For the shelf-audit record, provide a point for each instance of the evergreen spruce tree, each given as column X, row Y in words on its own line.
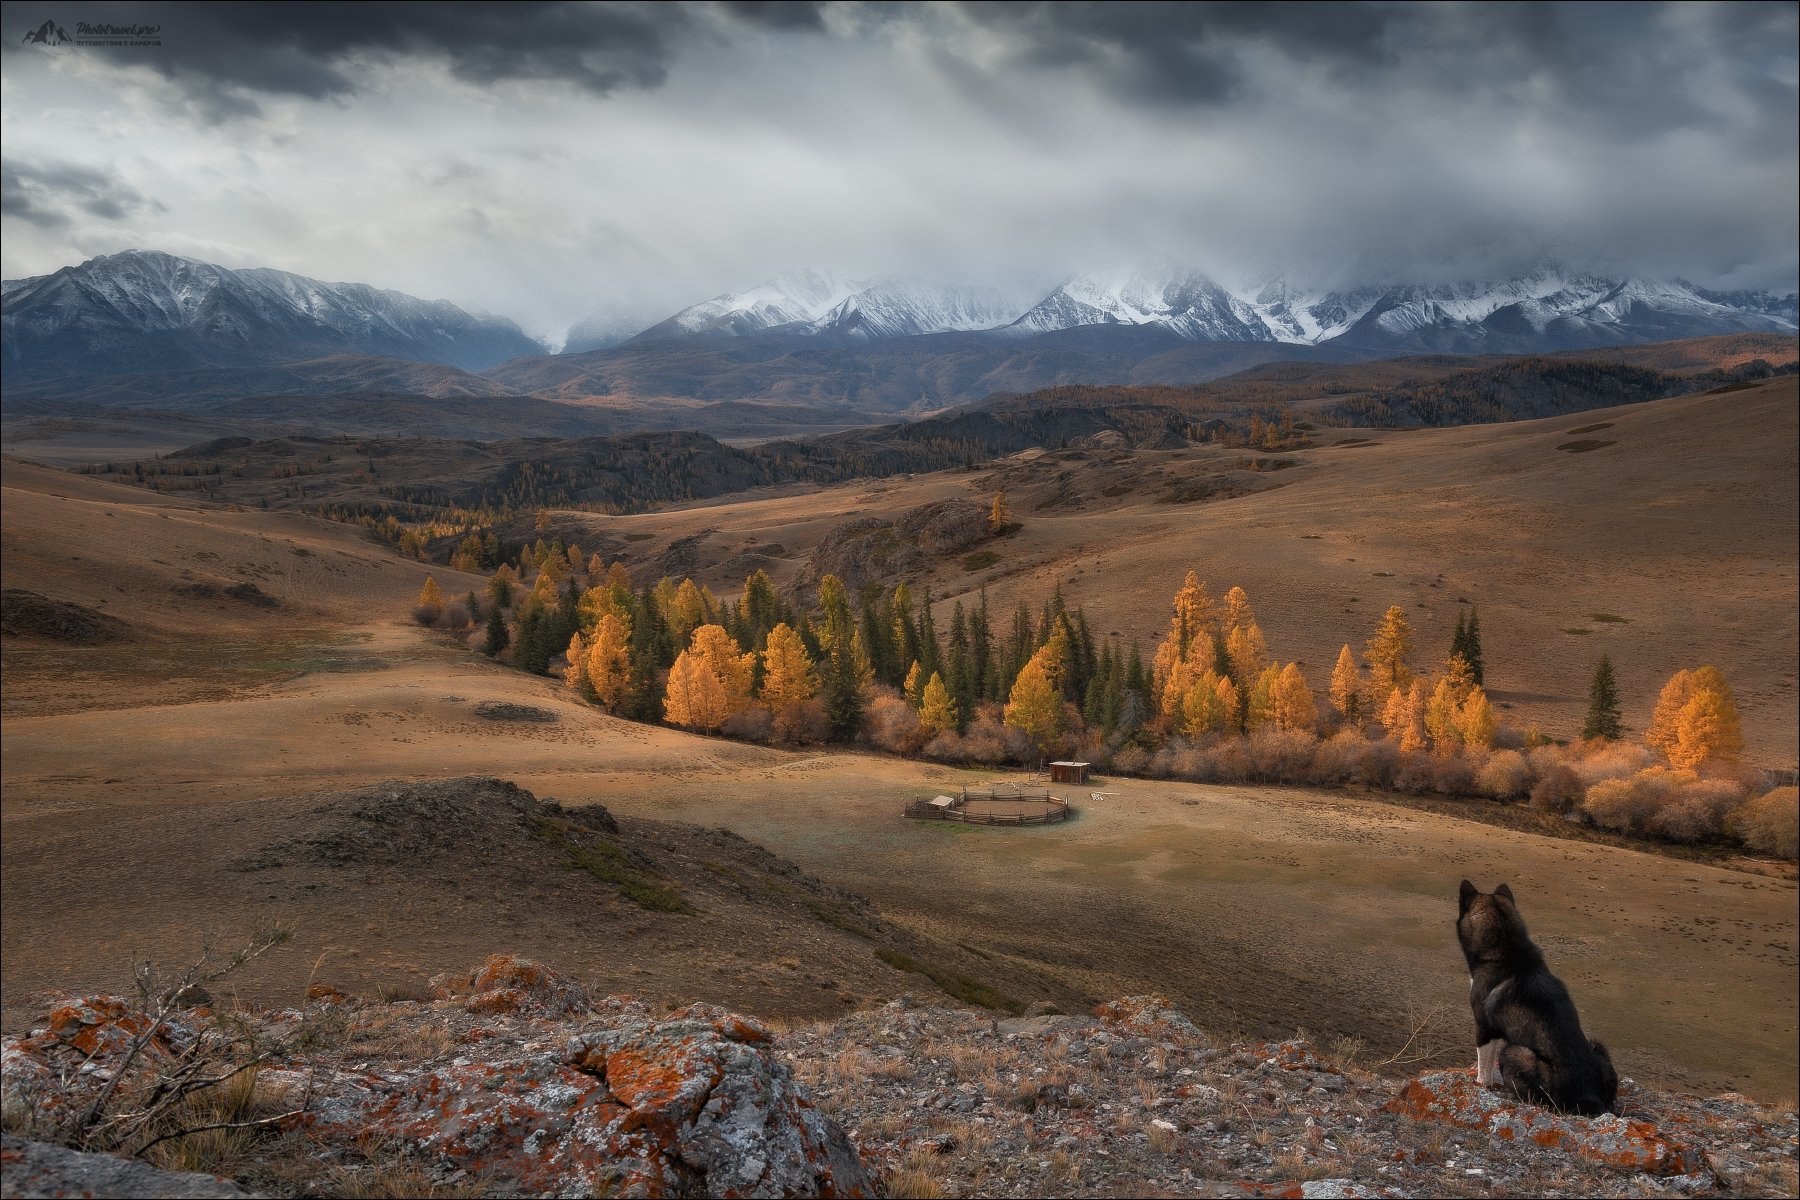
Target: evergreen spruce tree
column 498, row 635
column 1472, row 648
column 1603, row 704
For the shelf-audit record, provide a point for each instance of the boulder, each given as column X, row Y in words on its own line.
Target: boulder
column 30, row 1170
column 1456, row 1098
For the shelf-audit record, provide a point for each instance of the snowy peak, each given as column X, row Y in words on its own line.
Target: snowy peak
column 910, row 307
column 142, row 309
column 1545, row 308
column 792, row 298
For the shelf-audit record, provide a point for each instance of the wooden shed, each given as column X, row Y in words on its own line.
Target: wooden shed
column 1069, row 772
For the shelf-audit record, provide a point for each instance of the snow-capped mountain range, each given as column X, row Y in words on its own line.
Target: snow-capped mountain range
column 1547, row 308
column 142, row 309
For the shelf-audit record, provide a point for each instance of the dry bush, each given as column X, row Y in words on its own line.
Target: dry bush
column 752, row 723
column 1557, row 791
column 1506, row 775
column 1415, row 772
column 893, row 725
column 456, row 616
column 427, row 614
column 1180, row 759
column 1132, row 760
column 1452, row 776
column 1769, row 823
column 1627, row 805
column 1227, row 761
column 1280, row 755
column 1696, row 812
column 1598, row 760
column 985, row 737
column 1338, row 759
column 1380, row 766
column 803, row 722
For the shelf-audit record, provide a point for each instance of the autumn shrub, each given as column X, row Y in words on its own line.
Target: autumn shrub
column 1506, row 775
column 1338, row 759
column 803, row 722
column 1631, row 805
column 1180, row 758
column 1281, row 755
column 427, row 614
column 751, row 723
column 1559, row 790
column 1380, row 763
column 1696, row 812
column 1132, row 760
column 1769, row 823
column 1597, row 760
column 1452, row 776
column 1415, row 772
column 456, row 616
column 894, row 726
column 1227, row 761
column 985, row 739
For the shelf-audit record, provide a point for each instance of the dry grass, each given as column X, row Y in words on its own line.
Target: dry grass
column 914, row 1177
column 1161, row 1140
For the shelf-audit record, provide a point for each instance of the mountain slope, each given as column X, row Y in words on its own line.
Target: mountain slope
column 142, row 309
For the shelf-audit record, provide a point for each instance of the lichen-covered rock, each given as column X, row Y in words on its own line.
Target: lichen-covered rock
column 625, row 1105
column 1456, row 1098
column 504, row 984
column 1151, row 1016
column 30, row 1170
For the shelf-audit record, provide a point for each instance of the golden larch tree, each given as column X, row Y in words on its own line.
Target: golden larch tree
column 575, row 672
column 1247, row 652
column 1663, row 730
column 914, row 686
column 1413, row 735
column 694, row 697
column 1231, row 705
column 1237, row 608
column 1034, row 707
column 1260, row 708
column 937, row 711
column 1708, row 728
column 609, row 662
column 1346, row 687
column 431, row 600
column 1201, row 709
column 733, row 668
column 1475, row 722
column 1294, row 706
column 1387, row 650
column 1440, row 717
column 788, row 676
column 999, row 515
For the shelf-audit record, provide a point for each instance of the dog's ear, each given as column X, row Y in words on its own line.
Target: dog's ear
column 1465, row 894
column 1505, row 890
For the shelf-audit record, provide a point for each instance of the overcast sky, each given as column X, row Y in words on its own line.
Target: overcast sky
column 545, row 160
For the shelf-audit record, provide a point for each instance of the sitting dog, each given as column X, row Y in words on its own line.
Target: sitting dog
column 1528, row 1038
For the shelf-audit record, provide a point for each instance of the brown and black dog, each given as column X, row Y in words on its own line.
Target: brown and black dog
column 1528, row 1037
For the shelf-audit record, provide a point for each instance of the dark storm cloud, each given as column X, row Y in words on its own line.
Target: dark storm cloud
column 223, row 56
column 778, row 14
column 1184, row 52
column 55, row 195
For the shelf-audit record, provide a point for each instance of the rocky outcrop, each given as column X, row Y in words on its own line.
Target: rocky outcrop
column 873, row 549
column 26, row 614
column 522, row 1088
column 30, row 1170
column 510, row 1081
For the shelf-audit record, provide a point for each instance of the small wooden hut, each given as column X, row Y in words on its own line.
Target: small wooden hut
column 1069, row 772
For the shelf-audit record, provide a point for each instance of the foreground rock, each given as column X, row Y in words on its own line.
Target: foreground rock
column 509, row 1080
column 1137, row 1101
column 29, row 1170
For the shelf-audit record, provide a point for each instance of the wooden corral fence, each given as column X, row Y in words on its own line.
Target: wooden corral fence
column 994, row 804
